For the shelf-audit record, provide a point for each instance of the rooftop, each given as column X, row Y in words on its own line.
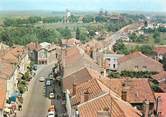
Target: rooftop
column 138, row 88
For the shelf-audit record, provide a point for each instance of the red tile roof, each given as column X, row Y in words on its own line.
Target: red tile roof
column 2, row 93
column 83, row 75
column 160, row 76
column 76, row 59
column 162, row 103
column 116, row 107
column 160, row 50
column 143, row 62
column 6, row 70
column 93, row 86
column 33, row 46
column 138, row 89
column 71, row 42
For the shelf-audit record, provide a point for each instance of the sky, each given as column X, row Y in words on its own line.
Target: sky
column 84, row 5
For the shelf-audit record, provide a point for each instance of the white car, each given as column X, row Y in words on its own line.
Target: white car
column 48, row 82
column 51, row 114
column 51, row 96
column 41, row 79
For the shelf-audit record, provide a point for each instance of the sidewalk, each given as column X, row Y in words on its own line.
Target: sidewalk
column 27, row 94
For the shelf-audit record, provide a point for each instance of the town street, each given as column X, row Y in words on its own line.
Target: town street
column 35, row 103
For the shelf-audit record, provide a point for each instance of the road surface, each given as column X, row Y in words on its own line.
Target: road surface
column 111, row 40
column 35, row 103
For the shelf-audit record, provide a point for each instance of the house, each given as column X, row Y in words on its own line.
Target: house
column 74, row 59
column 161, row 79
column 70, row 42
column 135, row 91
column 94, row 99
column 161, row 104
column 32, row 48
column 93, row 86
column 14, row 62
column 81, row 75
column 43, row 53
column 112, row 61
column 2, row 95
column 160, row 52
column 54, row 53
column 137, row 61
column 106, row 105
column 42, row 56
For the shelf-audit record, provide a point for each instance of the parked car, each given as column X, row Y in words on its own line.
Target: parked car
column 51, row 114
column 48, row 82
column 51, row 96
column 42, row 79
column 51, row 108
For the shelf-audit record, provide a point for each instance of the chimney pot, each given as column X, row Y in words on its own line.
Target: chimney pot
column 146, row 107
column 85, row 96
column 74, row 88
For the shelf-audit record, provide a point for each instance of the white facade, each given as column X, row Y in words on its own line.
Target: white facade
column 112, row 60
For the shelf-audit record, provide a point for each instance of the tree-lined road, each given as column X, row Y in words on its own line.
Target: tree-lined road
column 35, row 103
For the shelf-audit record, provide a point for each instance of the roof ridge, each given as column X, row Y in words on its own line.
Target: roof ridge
column 102, row 86
column 106, row 93
column 75, row 71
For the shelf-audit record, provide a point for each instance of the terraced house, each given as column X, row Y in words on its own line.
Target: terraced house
column 13, row 64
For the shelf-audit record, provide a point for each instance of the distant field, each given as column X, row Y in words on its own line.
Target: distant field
column 62, row 25
column 41, row 13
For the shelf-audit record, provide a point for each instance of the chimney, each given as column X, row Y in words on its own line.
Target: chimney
column 74, row 88
column 158, row 109
column 104, row 113
column 146, row 108
column 85, row 96
column 105, row 73
column 124, row 92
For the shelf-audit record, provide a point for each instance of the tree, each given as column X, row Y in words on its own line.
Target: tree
column 156, row 37
column 163, row 61
column 66, row 32
column 78, row 33
column 120, row 48
column 146, row 49
column 145, row 24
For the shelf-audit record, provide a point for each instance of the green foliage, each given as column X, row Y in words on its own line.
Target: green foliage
column 113, row 74
column 66, row 32
column 22, row 86
column 145, row 23
column 163, row 61
column 101, row 19
column 155, row 86
column 132, row 74
column 26, row 76
column 24, row 35
column 146, row 49
column 88, row 19
column 120, row 48
column 21, row 22
column 52, row 19
column 156, row 37
column 134, row 38
column 137, row 74
column 77, row 33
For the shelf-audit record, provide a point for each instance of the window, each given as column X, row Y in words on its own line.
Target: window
column 114, row 66
column 136, row 66
column 144, row 67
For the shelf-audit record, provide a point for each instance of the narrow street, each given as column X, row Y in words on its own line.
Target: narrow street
column 35, row 103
